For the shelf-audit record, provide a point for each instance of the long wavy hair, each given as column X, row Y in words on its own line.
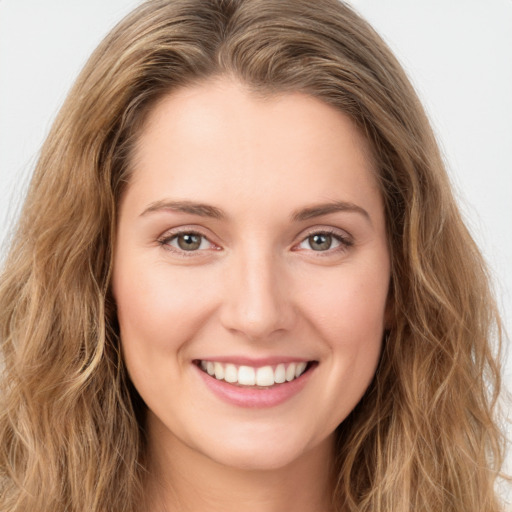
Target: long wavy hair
column 423, row 438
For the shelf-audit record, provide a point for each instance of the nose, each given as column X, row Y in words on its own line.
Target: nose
column 257, row 300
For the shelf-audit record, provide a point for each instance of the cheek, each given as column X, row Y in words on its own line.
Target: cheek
column 348, row 314
column 159, row 312
column 158, row 309
column 349, row 307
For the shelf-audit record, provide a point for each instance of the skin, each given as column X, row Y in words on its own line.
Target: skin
column 257, row 286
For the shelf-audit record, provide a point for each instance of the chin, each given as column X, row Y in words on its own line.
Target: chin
column 263, row 453
column 256, row 460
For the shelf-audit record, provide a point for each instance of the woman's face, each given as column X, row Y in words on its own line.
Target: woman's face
column 251, row 273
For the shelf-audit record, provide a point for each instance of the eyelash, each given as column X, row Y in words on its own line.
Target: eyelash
column 344, row 241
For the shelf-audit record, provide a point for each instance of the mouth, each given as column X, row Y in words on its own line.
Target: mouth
column 262, row 377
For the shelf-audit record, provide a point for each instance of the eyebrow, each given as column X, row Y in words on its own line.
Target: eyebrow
column 200, row 209
column 318, row 210
column 206, row 210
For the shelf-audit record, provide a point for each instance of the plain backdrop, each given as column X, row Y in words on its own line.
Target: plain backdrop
column 458, row 54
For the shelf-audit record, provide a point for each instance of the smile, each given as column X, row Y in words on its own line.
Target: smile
column 264, row 376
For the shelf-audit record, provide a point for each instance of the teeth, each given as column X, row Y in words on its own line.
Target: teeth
column 219, row 371
column 290, row 372
column 298, row 371
column 231, row 373
column 246, row 376
column 264, row 376
column 280, row 375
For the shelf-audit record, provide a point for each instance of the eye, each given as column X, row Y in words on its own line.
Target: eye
column 186, row 241
column 324, row 241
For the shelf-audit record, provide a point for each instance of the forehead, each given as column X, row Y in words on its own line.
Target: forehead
column 219, row 141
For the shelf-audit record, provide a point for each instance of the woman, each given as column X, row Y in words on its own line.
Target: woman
column 240, row 279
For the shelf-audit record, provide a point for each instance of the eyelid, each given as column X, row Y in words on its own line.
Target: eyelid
column 341, row 233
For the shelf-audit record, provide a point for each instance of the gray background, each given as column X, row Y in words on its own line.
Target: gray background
column 458, row 54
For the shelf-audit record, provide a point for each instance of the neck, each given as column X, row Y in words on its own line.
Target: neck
column 183, row 480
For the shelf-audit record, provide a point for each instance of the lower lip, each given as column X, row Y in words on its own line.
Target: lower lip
column 255, row 397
